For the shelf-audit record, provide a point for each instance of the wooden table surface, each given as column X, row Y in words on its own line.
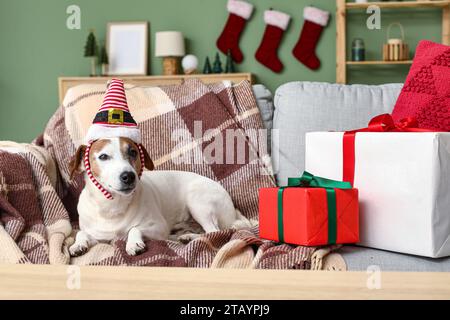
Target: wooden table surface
column 71, row 282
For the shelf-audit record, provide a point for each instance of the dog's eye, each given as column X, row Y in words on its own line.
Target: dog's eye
column 132, row 153
column 103, row 157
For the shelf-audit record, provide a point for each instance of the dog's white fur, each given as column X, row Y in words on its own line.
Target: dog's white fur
column 159, row 201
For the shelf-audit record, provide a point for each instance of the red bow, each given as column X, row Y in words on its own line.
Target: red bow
column 385, row 123
column 381, row 123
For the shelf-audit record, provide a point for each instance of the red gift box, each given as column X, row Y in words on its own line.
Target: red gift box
column 309, row 216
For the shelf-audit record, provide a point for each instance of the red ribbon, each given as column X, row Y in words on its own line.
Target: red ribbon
column 381, row 123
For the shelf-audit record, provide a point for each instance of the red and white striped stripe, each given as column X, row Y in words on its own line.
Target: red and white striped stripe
column 87, row 165
column 91, row 176
column 115, row 96
column 141, row 156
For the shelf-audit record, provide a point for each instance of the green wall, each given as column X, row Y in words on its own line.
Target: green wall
column 36, row 47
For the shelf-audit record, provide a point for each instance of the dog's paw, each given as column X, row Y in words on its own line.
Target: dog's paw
column 188, row 237
column 78, row 249
column 135, row 248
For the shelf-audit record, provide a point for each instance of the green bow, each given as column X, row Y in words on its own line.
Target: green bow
column 307, row 180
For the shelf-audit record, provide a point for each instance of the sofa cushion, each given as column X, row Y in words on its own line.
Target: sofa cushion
column 302, row 107
column 426, row 94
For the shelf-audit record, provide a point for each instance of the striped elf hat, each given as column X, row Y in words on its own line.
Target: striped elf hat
column 113, row 120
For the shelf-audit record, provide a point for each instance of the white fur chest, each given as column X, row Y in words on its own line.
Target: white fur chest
column 104, row 224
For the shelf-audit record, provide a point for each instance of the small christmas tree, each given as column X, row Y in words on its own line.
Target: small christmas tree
column 207, row 66
column 229, row 66
column 104, row 61
column 90, row 51
column 217, row 66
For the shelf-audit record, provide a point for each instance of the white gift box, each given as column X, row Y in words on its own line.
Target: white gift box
column 404, row 186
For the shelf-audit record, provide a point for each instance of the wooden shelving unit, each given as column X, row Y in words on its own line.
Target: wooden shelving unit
column 341, row 29
column 399, row 4
column 378, row 62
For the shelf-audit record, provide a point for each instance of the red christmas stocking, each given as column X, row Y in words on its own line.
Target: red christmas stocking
column 276, row 23
column 305, row 49
column 240, row 12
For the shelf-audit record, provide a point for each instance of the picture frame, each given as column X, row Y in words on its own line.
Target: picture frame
column 127, row 47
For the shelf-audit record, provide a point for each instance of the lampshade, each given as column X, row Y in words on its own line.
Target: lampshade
column 169, row 44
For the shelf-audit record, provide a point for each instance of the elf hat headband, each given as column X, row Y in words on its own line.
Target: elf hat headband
column 113, row 120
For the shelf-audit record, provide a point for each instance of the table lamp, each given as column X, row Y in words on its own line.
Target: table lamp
column 170, row 46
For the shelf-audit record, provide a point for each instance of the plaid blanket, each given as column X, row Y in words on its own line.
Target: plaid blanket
column 34, row 222
column 180, row 128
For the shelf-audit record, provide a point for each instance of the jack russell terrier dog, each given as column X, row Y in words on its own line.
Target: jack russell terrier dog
column 145, row 208
column 119, row 199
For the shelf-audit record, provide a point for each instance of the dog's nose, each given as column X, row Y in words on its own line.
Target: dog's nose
column 127, row 177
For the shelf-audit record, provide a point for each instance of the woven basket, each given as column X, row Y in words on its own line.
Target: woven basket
column 395, row 49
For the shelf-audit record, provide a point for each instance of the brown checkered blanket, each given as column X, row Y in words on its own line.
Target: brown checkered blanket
column 212, row 130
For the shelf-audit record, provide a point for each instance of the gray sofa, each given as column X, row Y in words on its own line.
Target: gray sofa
column 300, row 107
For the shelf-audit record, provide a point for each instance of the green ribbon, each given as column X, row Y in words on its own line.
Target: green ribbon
column 307, row 180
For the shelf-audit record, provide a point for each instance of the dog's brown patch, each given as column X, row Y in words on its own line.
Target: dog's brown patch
column 96, row 148
column 75, row 162
column 126, row 145
column 147, row 160
column 130, row 152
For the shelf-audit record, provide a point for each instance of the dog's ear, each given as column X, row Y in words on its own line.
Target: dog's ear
column 75, row 162
column 148, row 163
